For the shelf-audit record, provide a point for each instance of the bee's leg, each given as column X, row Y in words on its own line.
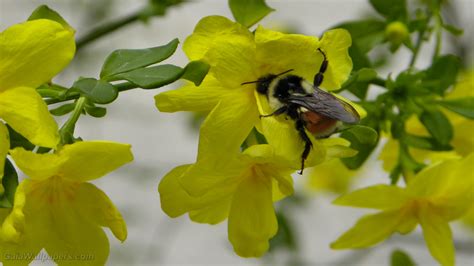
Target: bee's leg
column 300, row 127
column 279, row 111
column 318, row 78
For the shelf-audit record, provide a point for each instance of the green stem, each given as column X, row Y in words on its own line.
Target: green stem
column 418, row 44
column 378, row 81
column 67, row 130
column 107, row 28
column 439, row 36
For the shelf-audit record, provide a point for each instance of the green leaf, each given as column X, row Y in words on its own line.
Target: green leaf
column 442, row 73
column 96, row 111
column 462, row 106
column 121, row 61
column 437, row 125
column 365, row 34
column 97, row 91
column 400, row 258
column 453, row 30
column 358, row 83
column 196, row 71
column 10, row 183
column 249, row 12
column 63, row 109
column 44, row 12
column 391, row 9
column 152, row 77
column 17, row 140
column 364, row 140
column 425, row 143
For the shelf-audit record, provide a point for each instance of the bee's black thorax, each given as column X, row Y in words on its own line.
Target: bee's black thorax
column 287, row 86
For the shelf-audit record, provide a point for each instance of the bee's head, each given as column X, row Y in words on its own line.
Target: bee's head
column 264, row 82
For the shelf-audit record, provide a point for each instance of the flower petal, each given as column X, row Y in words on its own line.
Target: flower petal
column 233, row 62
column 94, row 205
column 438, row 236
column 25, row 111
column 369, row 230
column 100, row 157
column 55, row 224
column 191, row 98
column 4, row 147
column 278, row 52
column 213, row 213
column 252, row 220
column 335, row 43
column 35, row 165
column 221, row 135
column 380, row 197
column 207, row 31
column 13, row 224
column 212, row 208
column 34, row 52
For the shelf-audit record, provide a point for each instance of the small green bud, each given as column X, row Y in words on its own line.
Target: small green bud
column 396, row 32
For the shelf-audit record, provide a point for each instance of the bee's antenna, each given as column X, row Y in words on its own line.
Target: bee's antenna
column 284, row 72
column 250, row 82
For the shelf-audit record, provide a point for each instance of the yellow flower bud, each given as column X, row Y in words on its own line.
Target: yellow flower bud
column 396, row 32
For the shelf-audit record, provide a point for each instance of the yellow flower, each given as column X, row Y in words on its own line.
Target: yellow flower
column 242, row 191
column 236, row 56
column 58, row 210
column 32, row 53
column 435, row 196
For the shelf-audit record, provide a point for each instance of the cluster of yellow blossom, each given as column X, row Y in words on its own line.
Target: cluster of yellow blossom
column 226, row 182
column 55, row 208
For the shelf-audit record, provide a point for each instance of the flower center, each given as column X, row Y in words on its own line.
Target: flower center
column 54, row 190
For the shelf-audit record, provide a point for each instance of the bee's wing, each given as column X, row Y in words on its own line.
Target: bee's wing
column 326, row 104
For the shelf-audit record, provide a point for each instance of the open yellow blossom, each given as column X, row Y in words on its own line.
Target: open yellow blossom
column 56, row 209
column 236, row 56
column 242, row 191
column 434, row 197
column 32, row 53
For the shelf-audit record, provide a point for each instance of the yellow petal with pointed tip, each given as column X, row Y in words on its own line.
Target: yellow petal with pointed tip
column 25, row 111
column 380, row 197
column 213, row 213
column 369, row 230
column 335, row 43
column 278, row 52
column 252, row 220
column 331, row 175
column 33, row 53
column 92, row 204
column 191, row 98
column 100, row 157
column 438, row 236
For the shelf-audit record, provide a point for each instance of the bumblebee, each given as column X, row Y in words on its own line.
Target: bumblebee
column 313, row 109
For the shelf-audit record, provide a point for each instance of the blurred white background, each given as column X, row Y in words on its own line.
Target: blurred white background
column 162, row 141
